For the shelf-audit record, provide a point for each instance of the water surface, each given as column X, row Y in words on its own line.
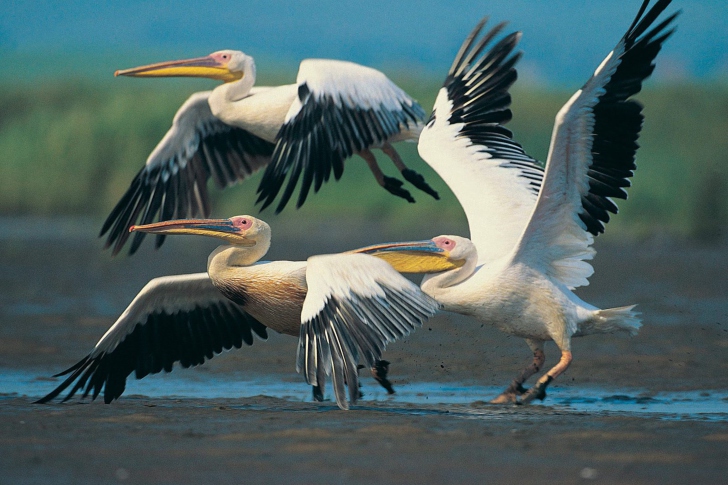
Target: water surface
column 701, row 405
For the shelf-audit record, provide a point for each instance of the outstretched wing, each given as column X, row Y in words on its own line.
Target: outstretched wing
column 355, row 305
column 465, row 142
column 173, row 183
column 173, row 319
column 592, row 155
column 342, row 108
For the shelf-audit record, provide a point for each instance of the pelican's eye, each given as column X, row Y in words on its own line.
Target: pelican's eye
column 222, row 56
column 242, row 222
column 444, row 243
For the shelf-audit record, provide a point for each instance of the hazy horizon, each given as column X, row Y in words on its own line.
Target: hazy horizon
column 414, row 36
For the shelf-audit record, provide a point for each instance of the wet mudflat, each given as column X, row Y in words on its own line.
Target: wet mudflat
column 651, row 409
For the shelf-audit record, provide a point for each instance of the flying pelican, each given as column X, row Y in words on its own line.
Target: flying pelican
column 343, row 307
column 533, row 228
column 336, row 109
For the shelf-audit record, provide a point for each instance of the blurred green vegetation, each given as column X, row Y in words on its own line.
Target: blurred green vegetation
column 73, row 146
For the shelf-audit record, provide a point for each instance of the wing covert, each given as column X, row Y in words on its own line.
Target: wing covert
column 355, row 305
column 341, row 108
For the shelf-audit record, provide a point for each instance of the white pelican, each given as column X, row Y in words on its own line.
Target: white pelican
column 344, row 308
column 533, row 228
column 336, row 109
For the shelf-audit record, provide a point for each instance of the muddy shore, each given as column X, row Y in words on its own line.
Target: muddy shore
column 58, row 298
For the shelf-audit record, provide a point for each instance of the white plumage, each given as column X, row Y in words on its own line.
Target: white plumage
column 345, row 309
column 533, row 228
column 348, row 84
column 346, row 276
column 298, row 132
column 496, row 197
column 354, row 298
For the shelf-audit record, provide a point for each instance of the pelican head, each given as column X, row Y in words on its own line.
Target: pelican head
column 443, row 253
column 241, row 231
column 225, row 65
column 458, row 248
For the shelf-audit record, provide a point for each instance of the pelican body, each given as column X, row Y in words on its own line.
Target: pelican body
column 533, row 227
column 304, row 131
column 344, row 309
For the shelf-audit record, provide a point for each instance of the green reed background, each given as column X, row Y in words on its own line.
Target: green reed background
column 72, row 147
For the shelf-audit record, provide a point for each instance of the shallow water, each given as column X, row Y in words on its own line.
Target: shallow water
column 686, row 405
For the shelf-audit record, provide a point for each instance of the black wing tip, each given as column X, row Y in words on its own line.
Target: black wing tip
column 466, row 48
column 137, row 241
column 478, row 88
column 264, row 202
column 75, row 366
column 615, row 144
column 474, row 44
column 218, row 328
column 178, row 187
column 479, row 81
column 44, row 400
column 76, row 372
column 271, row 183
column 643, row 21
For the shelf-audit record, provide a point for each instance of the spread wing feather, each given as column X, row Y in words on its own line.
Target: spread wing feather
column 175, row 319
column 592, row 155
column 467, row 144
column 341, row 108
column 173, row 182
column 356, row 304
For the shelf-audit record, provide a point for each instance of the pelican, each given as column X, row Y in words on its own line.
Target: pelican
column 533, row 227
column 334, row 110
column 343, row 307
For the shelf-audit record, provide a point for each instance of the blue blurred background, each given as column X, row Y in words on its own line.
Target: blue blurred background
column 562, row 38
column 72, row 136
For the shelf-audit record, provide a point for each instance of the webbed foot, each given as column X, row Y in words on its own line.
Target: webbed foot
column 394, row 186
column 538, row 391
column 379, row 372
column 510, row 395
column 318, row 393
column 419, row 181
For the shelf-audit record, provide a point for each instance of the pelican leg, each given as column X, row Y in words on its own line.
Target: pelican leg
column 391, row 184
column 515, row 389
column 409, row 175
column 318, row 393
column 379, row 372
column 358, row 368
column 538, row 391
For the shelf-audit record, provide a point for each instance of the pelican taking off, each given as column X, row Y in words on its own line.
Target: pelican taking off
column 533, row 228
column 344, row 308
column 301, row 131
